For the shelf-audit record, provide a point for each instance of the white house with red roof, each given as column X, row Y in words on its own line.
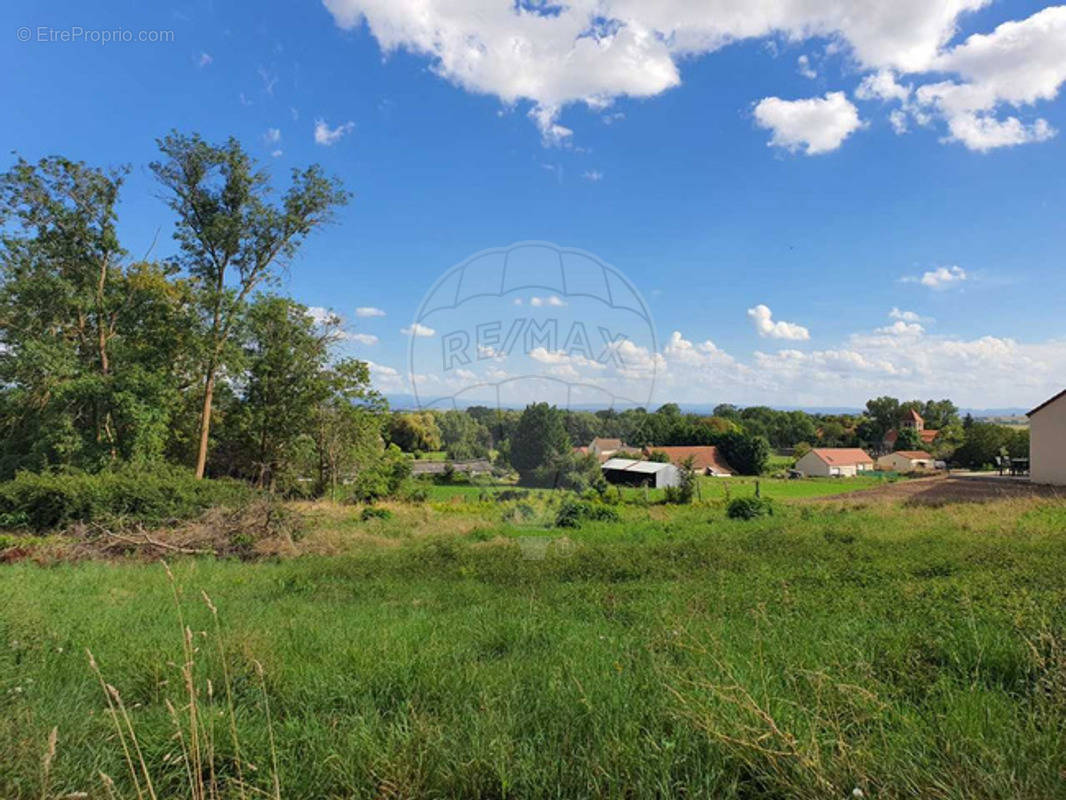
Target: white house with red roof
column 833, row 462
column 906, row 461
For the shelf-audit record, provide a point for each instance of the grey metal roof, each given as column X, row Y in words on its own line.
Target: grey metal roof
column 630, row 465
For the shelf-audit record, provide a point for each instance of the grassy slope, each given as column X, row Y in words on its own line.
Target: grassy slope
column 911, row 652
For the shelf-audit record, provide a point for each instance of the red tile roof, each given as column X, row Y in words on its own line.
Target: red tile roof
column 607, row 444
column 913, row 416
column 915, row 455
column 842, row 456
column 704, row 457
column 927, row 435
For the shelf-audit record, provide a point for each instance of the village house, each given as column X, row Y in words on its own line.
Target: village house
column 605, row 448
column 826, row 462
column 706, row 459
column 911, row 419
column 1047, row 441
column 906, row 461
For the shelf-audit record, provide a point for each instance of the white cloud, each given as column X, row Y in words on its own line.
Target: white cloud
column 803, row 66
column 816, row 124
column 362, row 338
column 272, row 136
column 901, row 328
column 882, row 85
column 762, row 318
column 204, row 60
column 327, row 136
column 269, row 80
column 594, row 51
column 939, row 278
column 593, row 175
column 417, row 329
column 369, row 311
column 906, row 316
column 321, row 315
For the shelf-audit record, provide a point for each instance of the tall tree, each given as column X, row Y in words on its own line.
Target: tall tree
column 232, row 238
column 60, row 298
column 539, row 439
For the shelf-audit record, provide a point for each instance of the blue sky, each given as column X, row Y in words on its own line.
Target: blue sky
column 738, row 185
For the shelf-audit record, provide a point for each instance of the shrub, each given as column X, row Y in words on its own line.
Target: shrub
column 373, row 512
column 573, row 512
column 749, row 508
column 45, row 501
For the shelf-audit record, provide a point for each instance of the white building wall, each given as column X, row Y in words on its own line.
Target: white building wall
column 1047, row 444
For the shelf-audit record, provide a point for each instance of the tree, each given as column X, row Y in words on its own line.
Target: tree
column 746, row 453
column 984, row 442
column 61, row 261
column 884, row 412
column 539, row 439
column 231, row 237
column 415, row 432
column 285, row 380
column 462, row 436
column 908, row 439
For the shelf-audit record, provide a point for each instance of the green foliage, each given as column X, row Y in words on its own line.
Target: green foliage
column 573, row 512
column 748, row 454
column 908, row 439
column 414, row 432
column 47, row 501
column 375, row 512
column 538, row 443
column 462, row 436
column 382, row 477
column 986, row 441
column 749, row 508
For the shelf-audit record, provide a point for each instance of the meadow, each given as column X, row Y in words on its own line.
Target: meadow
column 893, row 650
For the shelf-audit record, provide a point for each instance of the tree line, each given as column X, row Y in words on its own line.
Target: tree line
column 107, row 359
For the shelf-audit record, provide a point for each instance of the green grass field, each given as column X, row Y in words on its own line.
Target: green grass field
column 906, row 652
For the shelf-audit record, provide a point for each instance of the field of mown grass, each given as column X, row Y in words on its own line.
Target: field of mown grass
column 905, row 652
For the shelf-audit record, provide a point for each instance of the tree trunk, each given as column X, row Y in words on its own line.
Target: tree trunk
column 205, row 422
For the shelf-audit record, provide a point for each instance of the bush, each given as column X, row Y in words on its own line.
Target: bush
column 373, row 512
column 45, row 501
column 749, row 508
column 384, row 477
column 573, row 512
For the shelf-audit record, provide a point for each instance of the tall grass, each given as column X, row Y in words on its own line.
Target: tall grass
column 902, row 652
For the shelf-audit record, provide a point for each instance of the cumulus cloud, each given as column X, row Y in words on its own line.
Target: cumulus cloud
column 906, row 316
column 939, row 278
column 327, row 136
column 804, row 68
column 901, row 328
column 369, row 311
column 417, row 329
column 768, row 328
column 362, row 338
column 595, row 51
column 815, row 125
column 1017, row 65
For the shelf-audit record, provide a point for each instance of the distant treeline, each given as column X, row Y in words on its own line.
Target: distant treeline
column 480, row 431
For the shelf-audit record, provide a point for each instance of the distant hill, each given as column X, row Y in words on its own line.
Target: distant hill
column 1006, row 416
